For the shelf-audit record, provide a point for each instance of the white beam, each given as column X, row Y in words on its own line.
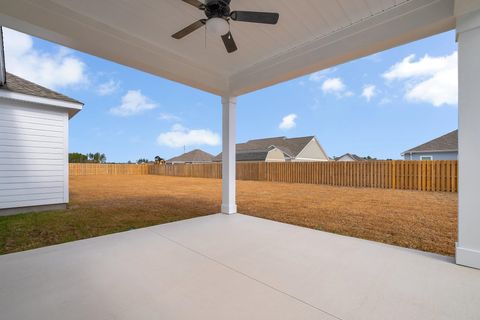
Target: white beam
column 465, row 6
column 229, row 105
column 468, row 37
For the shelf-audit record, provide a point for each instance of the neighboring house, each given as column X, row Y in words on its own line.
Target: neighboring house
column 349, row 157
column 194, row 156
column 33, row 146
column 441, row 148
column 280, row 149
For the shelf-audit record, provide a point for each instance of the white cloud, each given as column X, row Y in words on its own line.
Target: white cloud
column 108, row 87
column 333, row 85
column 337, row 87
column 52, row 70
column 369, row 91
column 288, row 122
column 168, row 117
column 180, row 136
column 432, row 80
column 133, row 102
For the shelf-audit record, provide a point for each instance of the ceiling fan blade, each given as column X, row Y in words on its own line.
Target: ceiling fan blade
column 229, row 43
column 195, row 3
column 257, row 17
column 187, row 30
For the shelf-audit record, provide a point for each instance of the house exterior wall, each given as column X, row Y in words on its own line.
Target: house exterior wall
column 346, row 158
column 312, row 152
column 446, row 155
column 275, row 155
column 33, row 155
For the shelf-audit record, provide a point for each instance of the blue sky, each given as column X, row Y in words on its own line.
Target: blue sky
column 379, row 105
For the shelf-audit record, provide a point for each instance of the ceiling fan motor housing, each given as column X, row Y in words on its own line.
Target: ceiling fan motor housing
column 217, row 9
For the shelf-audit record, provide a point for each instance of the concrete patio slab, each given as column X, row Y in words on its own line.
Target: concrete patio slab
column 235, row 267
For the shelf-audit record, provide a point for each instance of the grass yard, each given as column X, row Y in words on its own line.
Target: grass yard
column 107, row 204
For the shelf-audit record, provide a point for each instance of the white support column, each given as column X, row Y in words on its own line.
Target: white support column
column 229, row 105
column 468, row 37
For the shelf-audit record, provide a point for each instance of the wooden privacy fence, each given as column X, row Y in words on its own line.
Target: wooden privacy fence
column 438, row 175
column 91, row 169
column 204, row 170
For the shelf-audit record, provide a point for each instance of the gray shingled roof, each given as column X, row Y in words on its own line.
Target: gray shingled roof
column 196, row 155
column 447, row 142
column 20, row 85
column 290, row 146
column 251, row 155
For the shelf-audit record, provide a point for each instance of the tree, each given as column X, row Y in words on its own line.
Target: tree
column 97, row 157
column 159, row 159
column 76, row 157
column 140, row 161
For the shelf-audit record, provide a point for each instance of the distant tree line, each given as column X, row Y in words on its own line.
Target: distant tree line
column 76, row 157
column 158, row 159
column 142, row 161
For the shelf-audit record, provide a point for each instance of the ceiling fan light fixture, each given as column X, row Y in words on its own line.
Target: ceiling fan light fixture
column 217, row 26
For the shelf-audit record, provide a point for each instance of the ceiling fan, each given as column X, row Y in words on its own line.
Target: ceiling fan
column 218, row 20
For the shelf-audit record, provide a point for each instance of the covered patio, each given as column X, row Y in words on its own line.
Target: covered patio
column 230, row 265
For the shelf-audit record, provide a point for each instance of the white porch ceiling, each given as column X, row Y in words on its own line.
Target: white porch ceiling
column 311, row 35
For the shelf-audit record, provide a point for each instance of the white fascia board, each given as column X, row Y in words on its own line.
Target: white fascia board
column 468, row 21
column 402, row 24
column 71, row 107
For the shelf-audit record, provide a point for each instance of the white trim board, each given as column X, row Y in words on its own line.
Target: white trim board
column 467, row 257
column 72, row 108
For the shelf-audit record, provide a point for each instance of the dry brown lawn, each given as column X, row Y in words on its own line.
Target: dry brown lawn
column 106, row 204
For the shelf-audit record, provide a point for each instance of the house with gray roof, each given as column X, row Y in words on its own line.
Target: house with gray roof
column 280, row 149
column 194, row 156
column 349, row 157
column 441, row 148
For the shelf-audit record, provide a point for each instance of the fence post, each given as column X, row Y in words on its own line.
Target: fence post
column 394, row 173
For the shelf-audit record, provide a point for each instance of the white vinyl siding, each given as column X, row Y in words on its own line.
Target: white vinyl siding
column 33, row 155
column 312, row 152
